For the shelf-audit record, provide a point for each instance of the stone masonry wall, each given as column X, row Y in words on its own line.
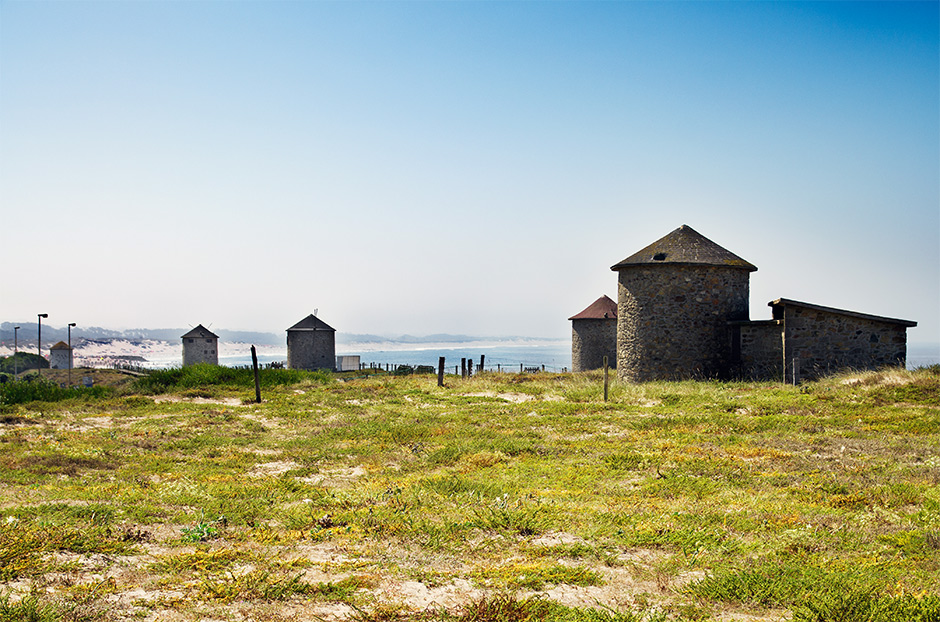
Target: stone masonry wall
column 200, row 350
column 591, row 341
column 828, row 342
column 761, row 351
column 311, row 349
column 673, row 320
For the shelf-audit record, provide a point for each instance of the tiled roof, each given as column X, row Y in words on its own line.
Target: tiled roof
column 60, row 346
column 784, row 302
column 685, row 246
column 311, row 322
column 600, row 309
column 200, row 332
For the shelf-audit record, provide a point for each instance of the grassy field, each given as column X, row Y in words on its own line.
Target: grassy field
column 498, row 498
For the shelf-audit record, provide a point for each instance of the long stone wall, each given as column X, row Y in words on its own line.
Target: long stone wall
column 826, row 342
column 591, row 341
column 673, row 321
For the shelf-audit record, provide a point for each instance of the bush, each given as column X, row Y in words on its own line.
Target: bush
column 22, row 362
column 204, row 375
column 44, row 391
column 869, row 607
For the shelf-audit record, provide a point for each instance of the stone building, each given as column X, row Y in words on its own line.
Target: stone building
column 60, row 356
column 806, row 341
column 682, row 312
column 594, row 336
column 675, row 299
column 200, row 345
column 311, row 344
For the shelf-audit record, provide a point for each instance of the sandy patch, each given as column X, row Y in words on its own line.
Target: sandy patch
column 335, row 477
column 268, row 423
column 91, row 423
column 322, row 553
column 558, row 538
column 515, row 398
column 273, row 469
column 175, row 399
column 419, row 596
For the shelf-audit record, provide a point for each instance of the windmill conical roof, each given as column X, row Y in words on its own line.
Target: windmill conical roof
column 311, row 322
column 200, row 332
column 685, row 246
column 601, row 309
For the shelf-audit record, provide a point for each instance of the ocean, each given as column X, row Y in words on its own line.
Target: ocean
column 555, row 356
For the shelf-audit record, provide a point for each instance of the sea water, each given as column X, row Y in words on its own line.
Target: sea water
column 554, row 356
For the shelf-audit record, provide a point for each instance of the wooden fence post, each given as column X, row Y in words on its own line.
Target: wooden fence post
column 469, row 367
column 440, row 371
column 463, row 367
column 254, row 365
column 606, row 378
column 482, row 358
column 796, row 370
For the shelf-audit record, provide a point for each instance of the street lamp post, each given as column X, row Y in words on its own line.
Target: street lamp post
column 70, row 353
column 15, row 349
column 39, row 343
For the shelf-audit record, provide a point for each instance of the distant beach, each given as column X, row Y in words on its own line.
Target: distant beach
column 555, row 355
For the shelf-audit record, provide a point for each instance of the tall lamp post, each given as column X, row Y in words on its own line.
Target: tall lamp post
column 70, row 353
column 15, row 349
column 39, row 343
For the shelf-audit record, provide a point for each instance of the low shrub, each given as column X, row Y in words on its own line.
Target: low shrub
column 23, row 392
column 869, row 607
column 204, row 375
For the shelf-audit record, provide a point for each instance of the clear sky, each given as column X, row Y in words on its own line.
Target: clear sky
column 462, row 167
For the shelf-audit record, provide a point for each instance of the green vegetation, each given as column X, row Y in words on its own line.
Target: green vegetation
column 500, row 498
column 215, row 377
column 22, row 361
column 38, row 390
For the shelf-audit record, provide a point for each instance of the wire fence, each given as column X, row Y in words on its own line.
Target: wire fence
column 466, row 367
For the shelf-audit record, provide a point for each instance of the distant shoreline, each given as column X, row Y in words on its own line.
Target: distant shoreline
column 554, row 353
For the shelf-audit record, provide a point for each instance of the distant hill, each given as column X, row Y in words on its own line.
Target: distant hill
column 52, row 334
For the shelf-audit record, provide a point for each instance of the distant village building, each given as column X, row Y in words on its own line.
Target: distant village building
column 682, row 312
column 311, row 344
column 200, row 345
column 594, row 336
column 60, row 356
column 348, row 362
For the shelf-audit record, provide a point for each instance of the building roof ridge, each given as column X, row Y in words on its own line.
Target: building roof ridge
column 684, row 246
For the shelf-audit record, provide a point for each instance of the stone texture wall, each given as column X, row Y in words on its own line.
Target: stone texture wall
column 59, row 358
column 591, row 341
column 760, row 350
column 828, row 342
column 673, row 320
column 200, row 350
column 311, row 349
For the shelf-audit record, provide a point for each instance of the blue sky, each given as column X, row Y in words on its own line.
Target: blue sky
column 422, row 167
